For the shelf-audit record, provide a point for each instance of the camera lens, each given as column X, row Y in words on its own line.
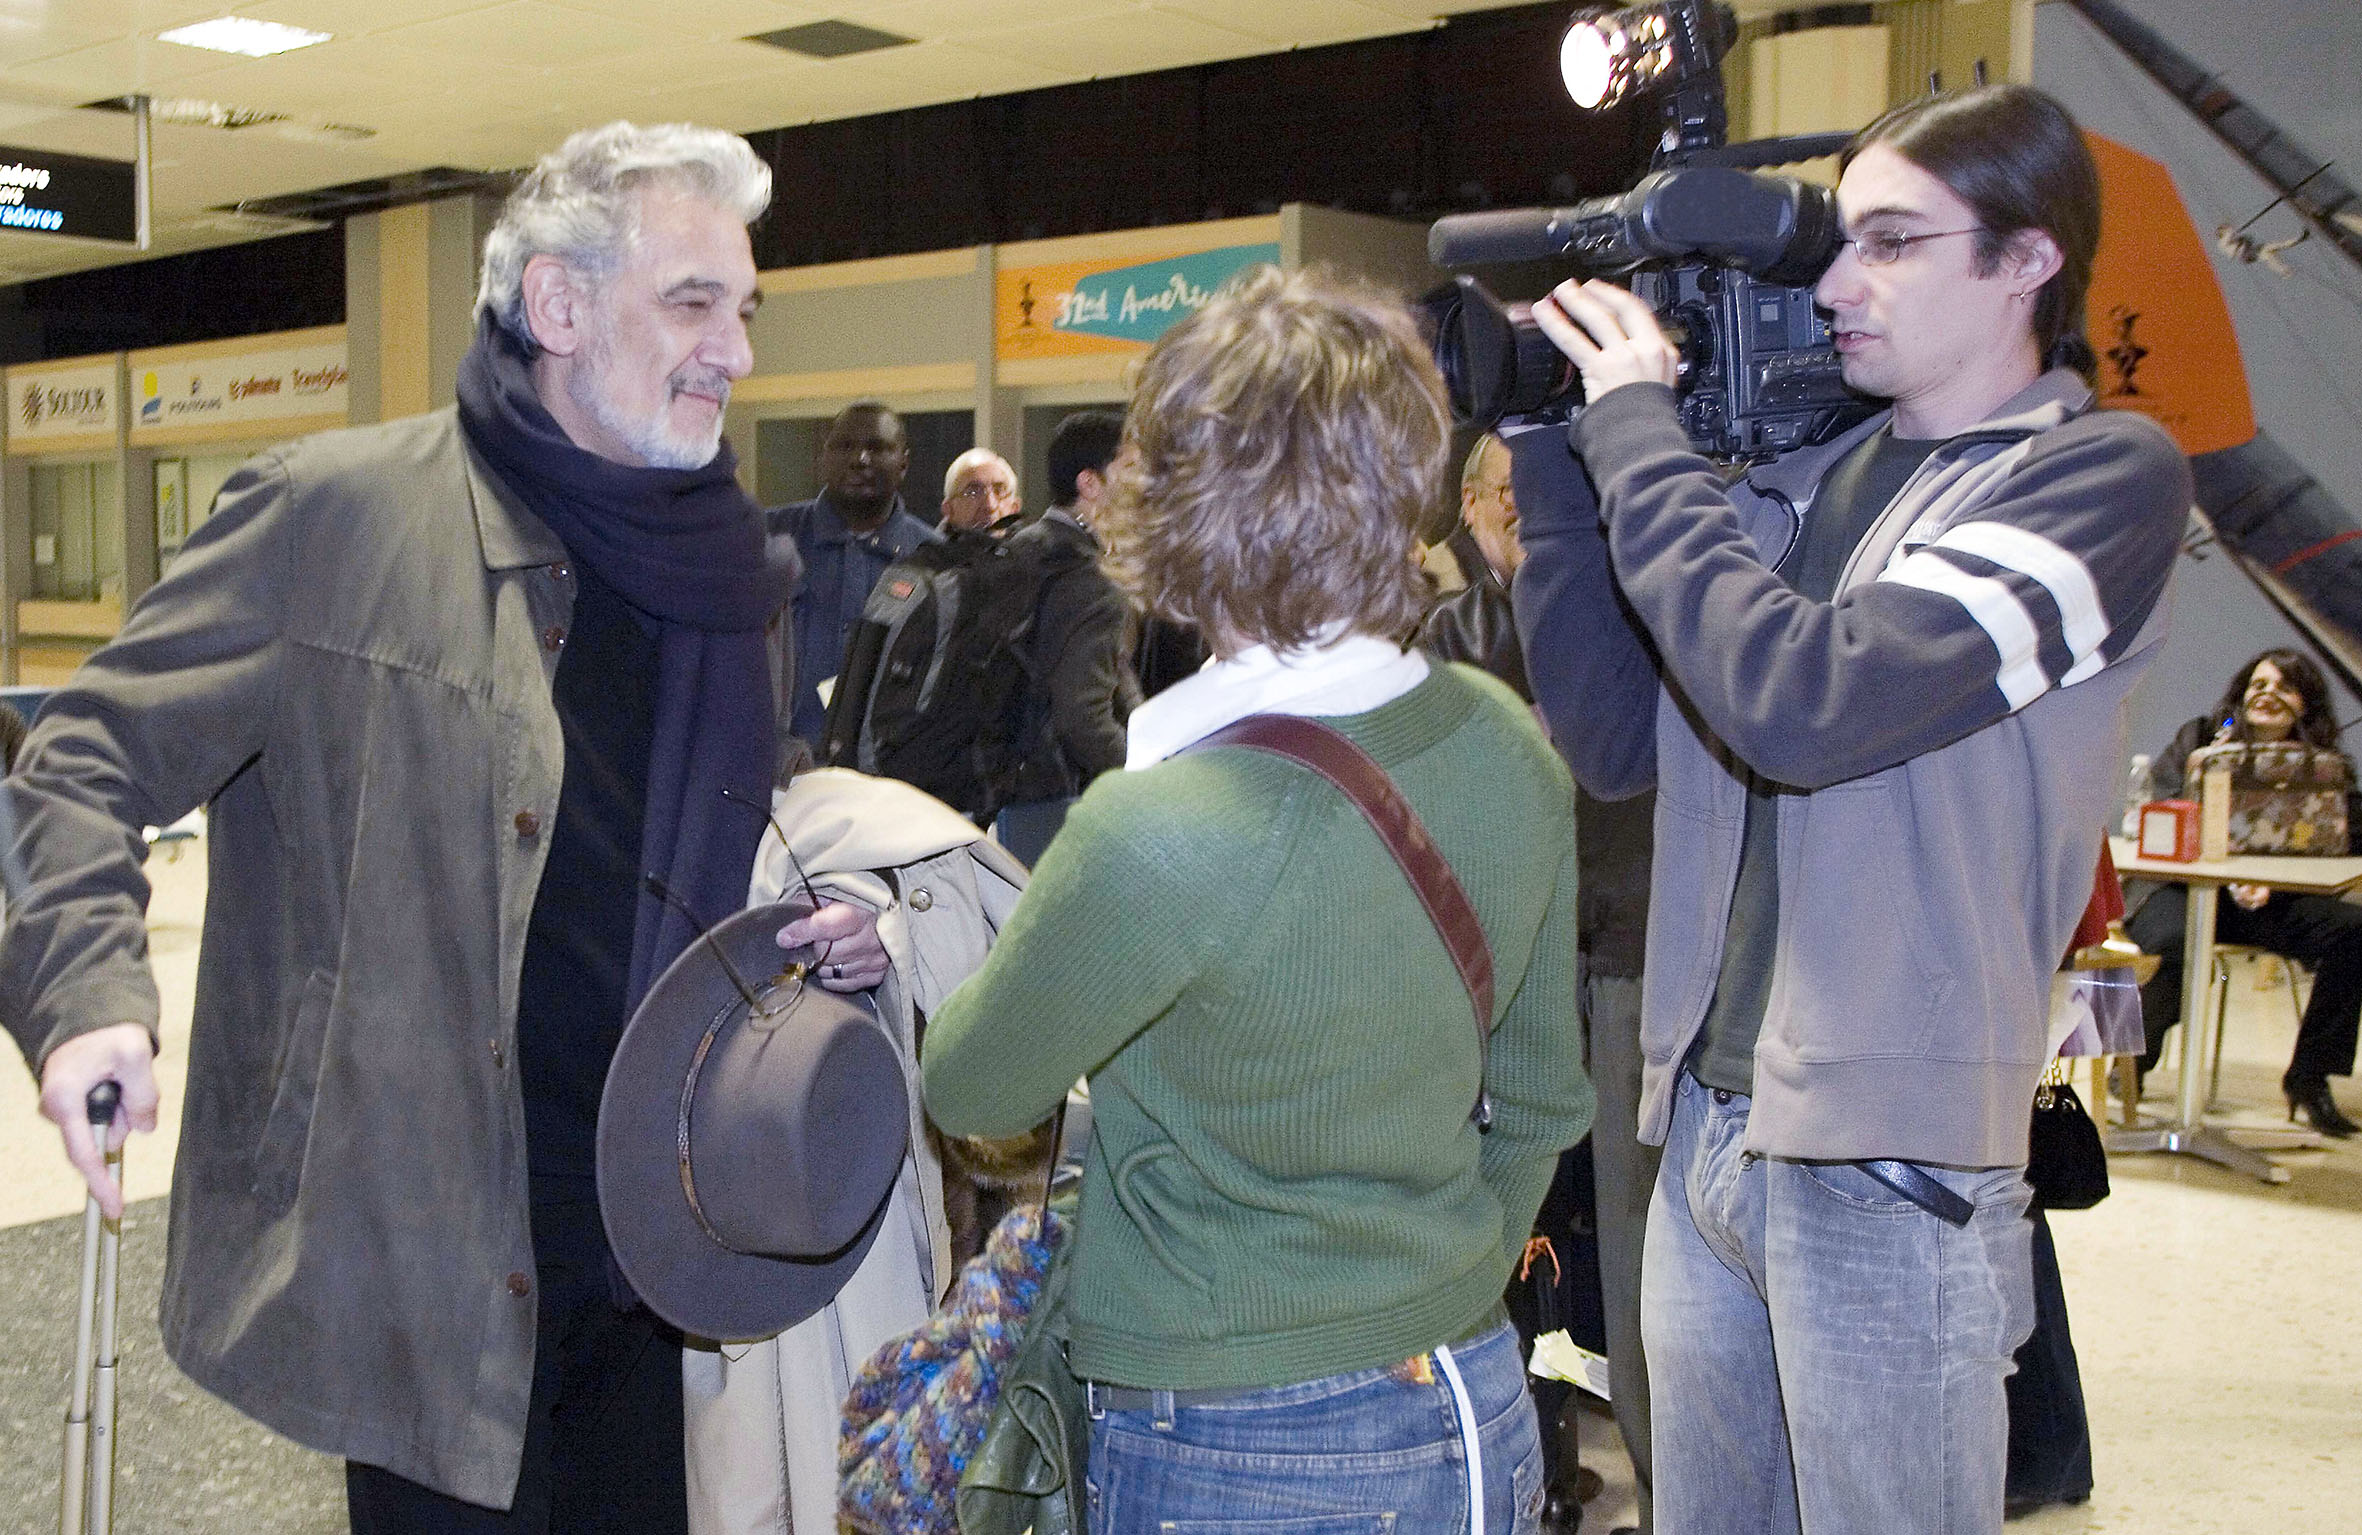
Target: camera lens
column 1494, row 359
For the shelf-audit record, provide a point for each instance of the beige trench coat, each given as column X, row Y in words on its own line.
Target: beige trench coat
column 762, row 1418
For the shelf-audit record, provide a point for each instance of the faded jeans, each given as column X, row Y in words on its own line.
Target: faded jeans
column 1825, row 1356
column 1364, row 1453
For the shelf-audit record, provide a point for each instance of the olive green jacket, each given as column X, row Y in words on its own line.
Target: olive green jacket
column 351, row 661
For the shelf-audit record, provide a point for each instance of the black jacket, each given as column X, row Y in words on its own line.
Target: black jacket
column 1081, row 692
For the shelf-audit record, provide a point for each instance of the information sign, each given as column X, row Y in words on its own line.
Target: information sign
column 43, row 192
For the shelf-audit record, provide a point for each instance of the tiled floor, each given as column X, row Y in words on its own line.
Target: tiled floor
column 2219, row 1321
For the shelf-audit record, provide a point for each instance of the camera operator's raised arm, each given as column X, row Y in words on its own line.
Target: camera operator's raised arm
column 1591, row 671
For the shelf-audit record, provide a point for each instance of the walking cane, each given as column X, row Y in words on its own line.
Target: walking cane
column 87, row 1496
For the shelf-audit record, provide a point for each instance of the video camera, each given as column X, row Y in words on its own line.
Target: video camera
column 1725, row 255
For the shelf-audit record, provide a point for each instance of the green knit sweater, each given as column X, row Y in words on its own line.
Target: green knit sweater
column 1284, row 1182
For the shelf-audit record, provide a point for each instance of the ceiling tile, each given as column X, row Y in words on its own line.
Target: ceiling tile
column 712, row 18
column 956, row 71
column 1123, row 44
column 349, row 18
column 712, row 63
column 1298, row 23
column 966, row 18
column 342, row 87
column 532, row 34
column 119, row 67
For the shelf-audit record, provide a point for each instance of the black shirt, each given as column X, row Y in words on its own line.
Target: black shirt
column 578, row 947
column 1852, row 496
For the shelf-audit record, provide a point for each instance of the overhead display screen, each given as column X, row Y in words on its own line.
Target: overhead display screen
column 43, row 192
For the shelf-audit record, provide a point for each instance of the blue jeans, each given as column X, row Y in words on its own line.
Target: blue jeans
column 1365, row 1453
column 1823, row 1355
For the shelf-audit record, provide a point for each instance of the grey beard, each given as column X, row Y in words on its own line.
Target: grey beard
column 656, row 446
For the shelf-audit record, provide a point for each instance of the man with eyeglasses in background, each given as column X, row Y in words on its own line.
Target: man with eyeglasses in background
column 1878, row 685
column 980, row 494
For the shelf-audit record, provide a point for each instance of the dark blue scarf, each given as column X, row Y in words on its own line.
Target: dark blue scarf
column 686, row 548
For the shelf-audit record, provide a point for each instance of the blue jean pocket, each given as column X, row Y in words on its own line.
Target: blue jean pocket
column 1849, row 1185
column 1526, row 1490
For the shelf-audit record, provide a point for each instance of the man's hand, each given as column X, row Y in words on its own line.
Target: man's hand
column 2249, row 897
column 848, row 936
column 1612, row 338
column 121, row 1051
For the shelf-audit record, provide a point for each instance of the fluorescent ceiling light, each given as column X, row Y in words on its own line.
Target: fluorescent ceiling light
column 236, row 34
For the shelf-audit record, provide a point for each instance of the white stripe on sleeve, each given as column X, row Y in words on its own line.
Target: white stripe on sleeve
column 1997, row 611
column 2064, row 576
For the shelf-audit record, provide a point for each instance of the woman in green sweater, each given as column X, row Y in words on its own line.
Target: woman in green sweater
column 1293, row 1239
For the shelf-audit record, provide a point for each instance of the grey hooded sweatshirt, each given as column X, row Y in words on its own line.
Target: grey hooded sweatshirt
column 1952, row 725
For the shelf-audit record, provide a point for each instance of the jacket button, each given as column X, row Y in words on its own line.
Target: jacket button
column 519, row 1285
column 499, row 1054
column 559, row 571
column 528, row 824
column 552, row 637
column 921, row 899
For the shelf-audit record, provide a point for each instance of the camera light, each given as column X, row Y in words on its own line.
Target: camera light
column 1606, row 56
column 1589, row 57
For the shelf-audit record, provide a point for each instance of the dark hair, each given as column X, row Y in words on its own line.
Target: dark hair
column 12, row 736
column 1088, row 439
column 2316, row 724
column 877, row 408
column 2015, row 156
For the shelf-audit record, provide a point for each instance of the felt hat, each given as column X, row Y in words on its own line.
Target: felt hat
column 745, row 1155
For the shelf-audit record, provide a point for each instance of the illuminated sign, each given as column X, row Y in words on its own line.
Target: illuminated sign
column 277, row 384
column 42, row 192
column 1078, row 307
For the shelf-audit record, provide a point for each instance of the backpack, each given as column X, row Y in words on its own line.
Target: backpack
column 937, row 674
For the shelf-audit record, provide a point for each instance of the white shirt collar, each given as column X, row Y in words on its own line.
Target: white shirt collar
column 1349, row 675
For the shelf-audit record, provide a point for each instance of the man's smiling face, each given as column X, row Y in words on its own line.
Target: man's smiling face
column 665, row 336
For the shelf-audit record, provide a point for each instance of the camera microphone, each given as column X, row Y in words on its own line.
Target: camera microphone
column 1509, row 234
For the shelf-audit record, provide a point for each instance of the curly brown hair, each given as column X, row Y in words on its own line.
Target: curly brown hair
column 1282, row 445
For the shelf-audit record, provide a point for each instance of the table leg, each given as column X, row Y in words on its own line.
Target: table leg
column 2187, row 1133
column 2189, row 1108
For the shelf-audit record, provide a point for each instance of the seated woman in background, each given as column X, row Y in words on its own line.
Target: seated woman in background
column 1292, row 1241
column 2279, row 694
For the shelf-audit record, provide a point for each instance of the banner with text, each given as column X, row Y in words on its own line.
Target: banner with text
column 1076, row 308
column 45, row 404
column 259, row 387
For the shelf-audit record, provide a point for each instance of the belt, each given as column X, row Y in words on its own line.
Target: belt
column 1418, row 1370
column 1912, row 1181
column 1104, row 1398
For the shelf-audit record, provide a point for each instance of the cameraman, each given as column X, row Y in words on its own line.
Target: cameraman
column 1878, row 685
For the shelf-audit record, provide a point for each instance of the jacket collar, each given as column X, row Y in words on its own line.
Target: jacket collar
column 511, row 536
column 2051, row 399
column 2055, row 397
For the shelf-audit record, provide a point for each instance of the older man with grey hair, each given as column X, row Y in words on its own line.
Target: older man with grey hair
column 980, row 493
column 450, row 685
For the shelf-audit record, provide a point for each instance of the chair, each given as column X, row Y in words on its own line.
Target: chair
column 2219, row 987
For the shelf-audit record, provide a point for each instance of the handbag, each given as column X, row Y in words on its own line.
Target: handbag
column 2287, row 797
column 1026, row 1477
column 2066, row 1163
column 916, row 1411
